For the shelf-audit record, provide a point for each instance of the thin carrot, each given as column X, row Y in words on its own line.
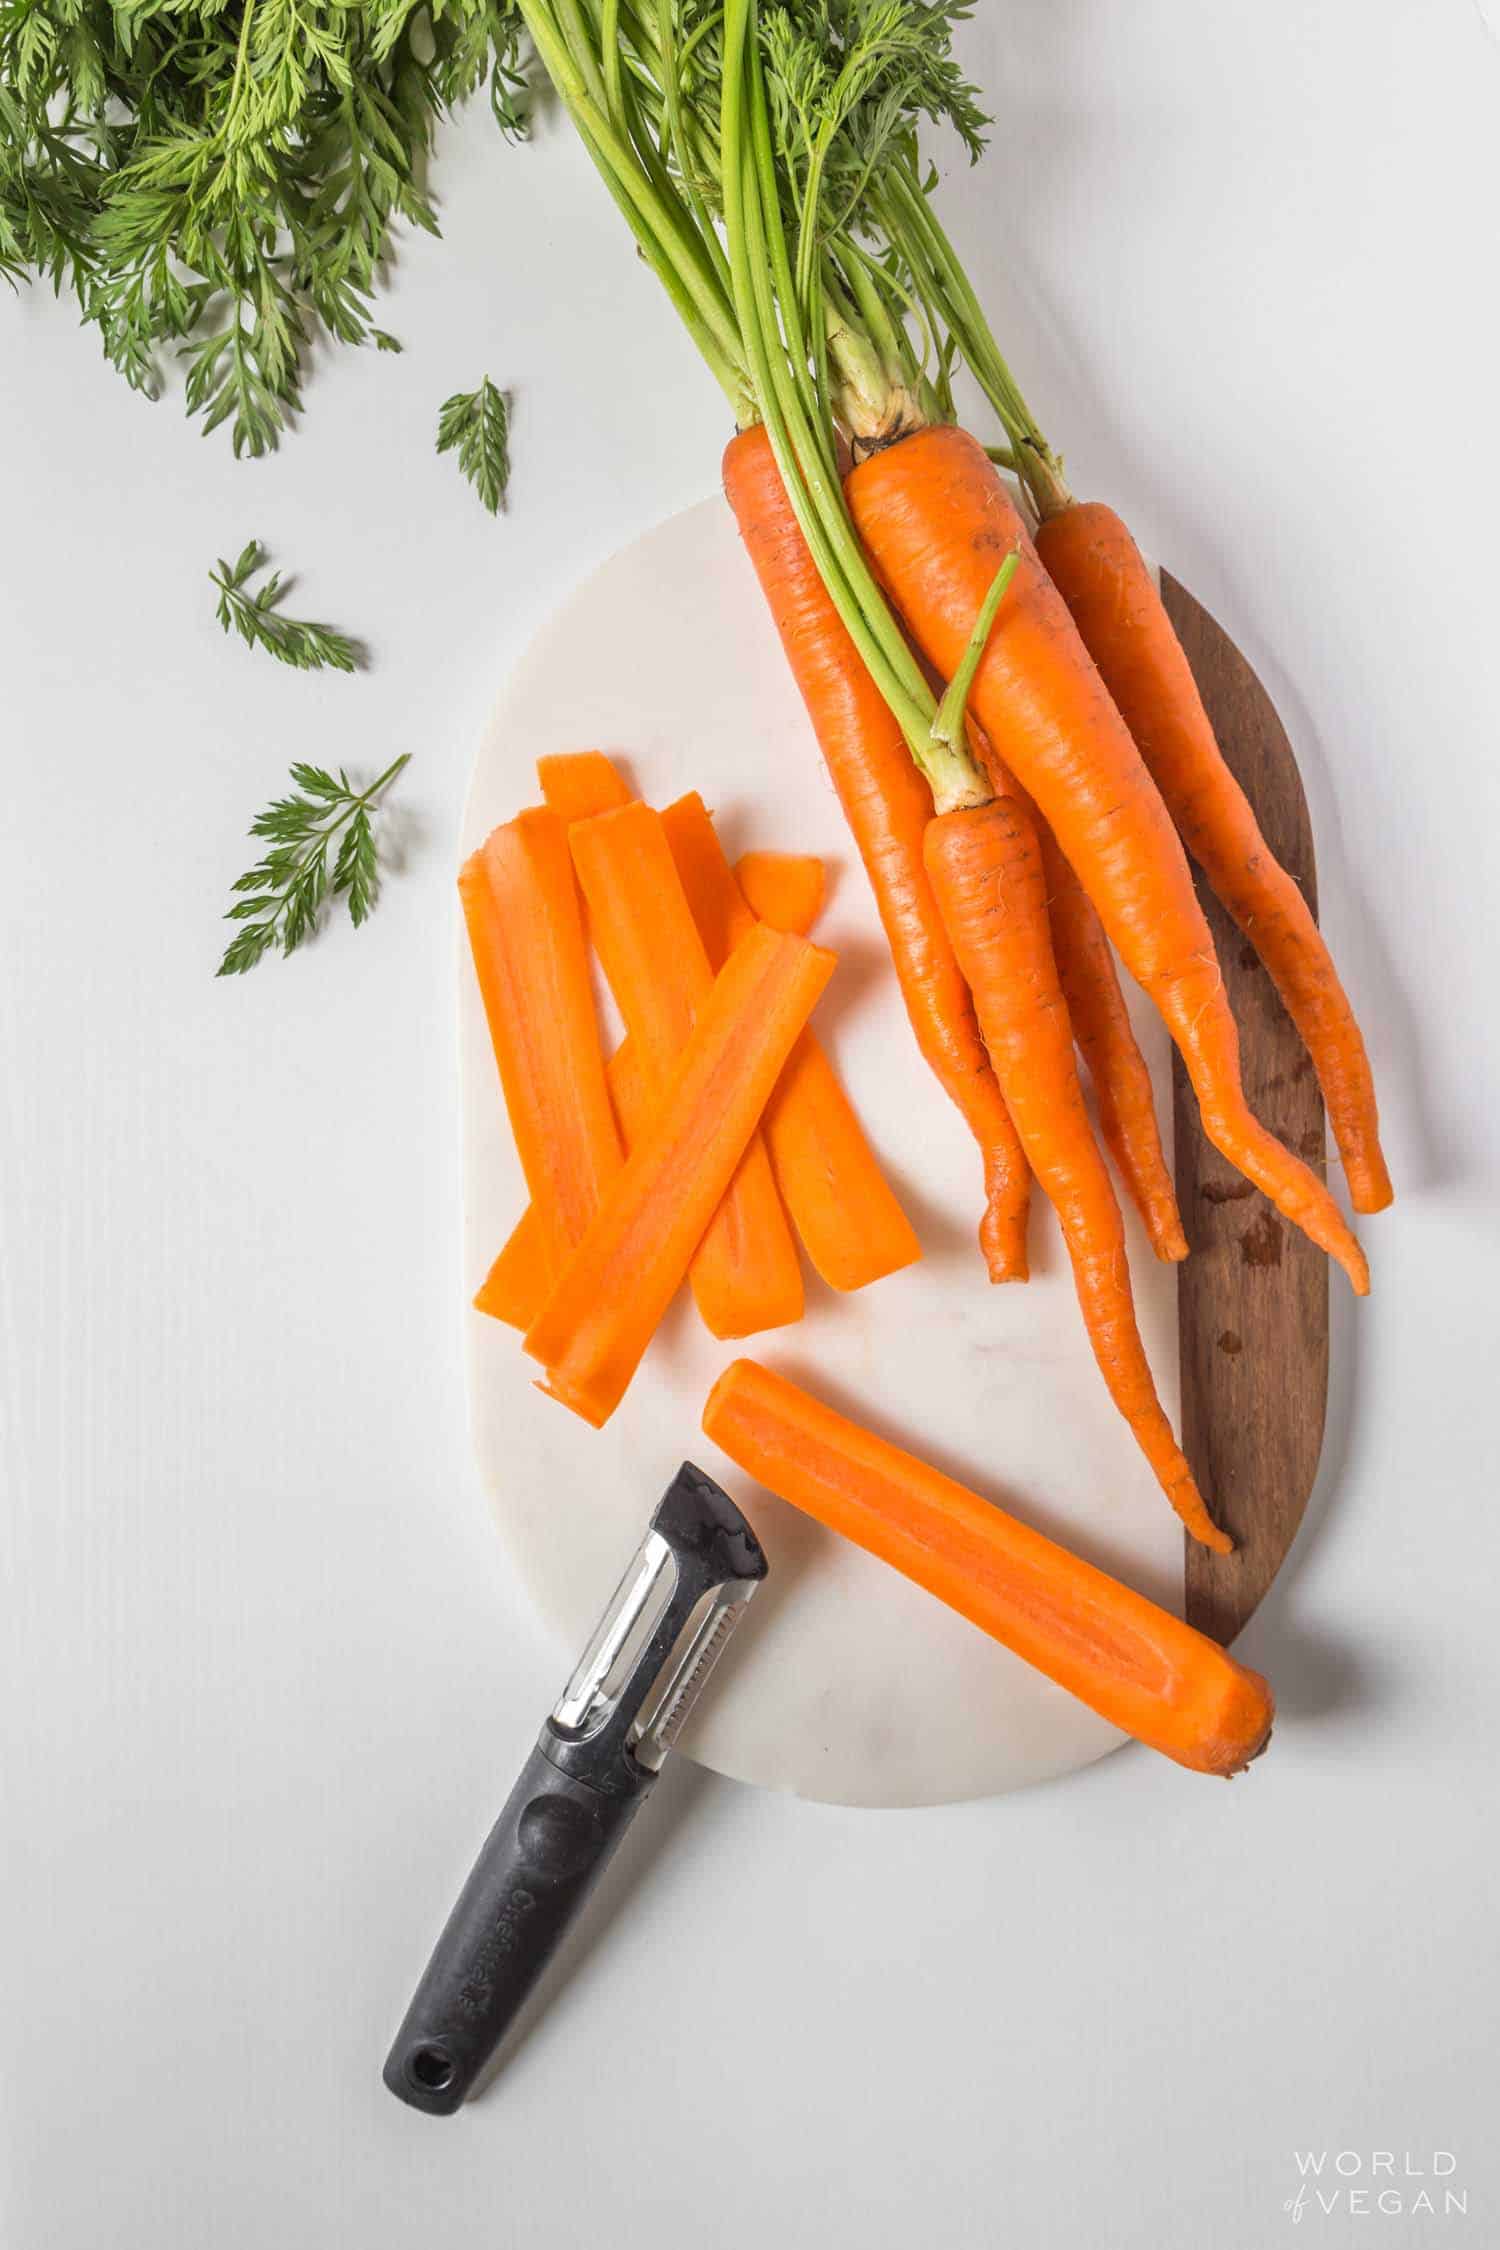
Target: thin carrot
column 887, row 806
column 526, row 933
column 746, row 1273
column 517, row 1284
column 594, row 1329
column 785, row 889
column 935, row 516
column 579, row 783
column 840, row 1202
column 1097, row 568
column 986, row 868
column 1140, row 1668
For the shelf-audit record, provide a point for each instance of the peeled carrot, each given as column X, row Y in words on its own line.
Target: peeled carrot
column 840, row 1202
column 986, row 869
column 1097, row 568
column 746, row 1273
column 936, row 517
column 887, row 806
column 579, row 783
column 517, row 1284
column 526, row 932
column 785, row 889
column 594, row 1329
column 1140, row 1668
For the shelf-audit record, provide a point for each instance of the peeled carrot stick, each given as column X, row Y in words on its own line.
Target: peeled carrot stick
column 526, row 932
column 517, row 1284
column 1140, row 1668
column 934, row 514
column 579, row 783
column 746, row 1273
column 840, row 1202
column 887, row 805
column 785, row 889
column 1097, row 568
column 593, row 1330
column 986, row 870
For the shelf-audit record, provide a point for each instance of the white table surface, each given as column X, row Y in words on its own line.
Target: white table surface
column 265, row 1676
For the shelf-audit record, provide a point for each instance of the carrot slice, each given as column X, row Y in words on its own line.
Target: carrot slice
column 746, row 1274
column 526, row 933
column 785, row 889
column 517, row 1284
column 841, row 1204
column 594, row 1329
column 579, row 783
column 1136, row 1665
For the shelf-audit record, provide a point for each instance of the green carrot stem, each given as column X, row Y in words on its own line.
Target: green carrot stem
column 948, row 726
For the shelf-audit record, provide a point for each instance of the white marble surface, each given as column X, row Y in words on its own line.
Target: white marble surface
column 266, row 1672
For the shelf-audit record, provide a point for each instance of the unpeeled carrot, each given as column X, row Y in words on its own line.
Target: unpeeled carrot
column 986, row 869
column 785, row 889
column 1140, row 1668
column 594, row 1329
column 839, row 1200
column 887, row 805
column 579, row 783
column 935, row 515
column 517, row 1284
column 525, row 930
column 1117, row 607
column 746, row 1273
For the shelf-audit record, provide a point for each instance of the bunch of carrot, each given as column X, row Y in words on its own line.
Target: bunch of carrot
column 713, row 1130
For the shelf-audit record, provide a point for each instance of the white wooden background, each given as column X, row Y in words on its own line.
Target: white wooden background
column 265, row 1679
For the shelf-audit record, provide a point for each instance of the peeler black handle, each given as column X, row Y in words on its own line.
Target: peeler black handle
column 537, row 1866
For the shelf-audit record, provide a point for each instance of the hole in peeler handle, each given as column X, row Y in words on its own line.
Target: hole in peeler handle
column 431, row 2069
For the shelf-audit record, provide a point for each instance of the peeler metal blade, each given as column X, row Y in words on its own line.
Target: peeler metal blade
column 599, row 1751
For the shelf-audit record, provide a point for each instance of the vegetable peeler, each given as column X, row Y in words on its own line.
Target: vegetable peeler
column 595, row 1760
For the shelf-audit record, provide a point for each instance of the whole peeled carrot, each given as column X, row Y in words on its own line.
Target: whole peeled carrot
column 1136, row 1665
column 936, row 517
column 986, row 868
column 887, row 805
column 1098, row 569
column 593, row 1330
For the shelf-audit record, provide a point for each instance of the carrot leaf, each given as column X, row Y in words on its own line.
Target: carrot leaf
column 476, row 426
column 254, row 613
column 280, row 901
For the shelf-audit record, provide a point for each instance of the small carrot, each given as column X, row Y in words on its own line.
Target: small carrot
column 591, row 1334
column 935, row 516
column 887, row 805
column 839, row 1200
column 517, row 1284
column 986, row 870
column 526, row 933
column 785, row 889
column 579, row 783
column 746, row 1273
column 1139, row 1667
column 1097, row 568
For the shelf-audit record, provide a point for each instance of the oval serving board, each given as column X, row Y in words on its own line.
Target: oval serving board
column 846, row 1683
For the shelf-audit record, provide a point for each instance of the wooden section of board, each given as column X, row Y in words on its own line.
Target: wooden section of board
column 1252, row 1299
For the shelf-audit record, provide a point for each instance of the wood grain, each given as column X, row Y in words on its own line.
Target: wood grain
column 1252, row 1299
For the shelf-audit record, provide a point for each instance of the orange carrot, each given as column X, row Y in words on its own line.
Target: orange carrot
column 986, row 869
column 517, row 1284
column 1140, row 1668
column 579, row 783
column 936, row 517
column 593, row 1330
column 850, row 1223
column 1101, row 1023
column 1097, row 568
column 746, row 1273
column 526, row 932
column 887, row 805
column 785, row 889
